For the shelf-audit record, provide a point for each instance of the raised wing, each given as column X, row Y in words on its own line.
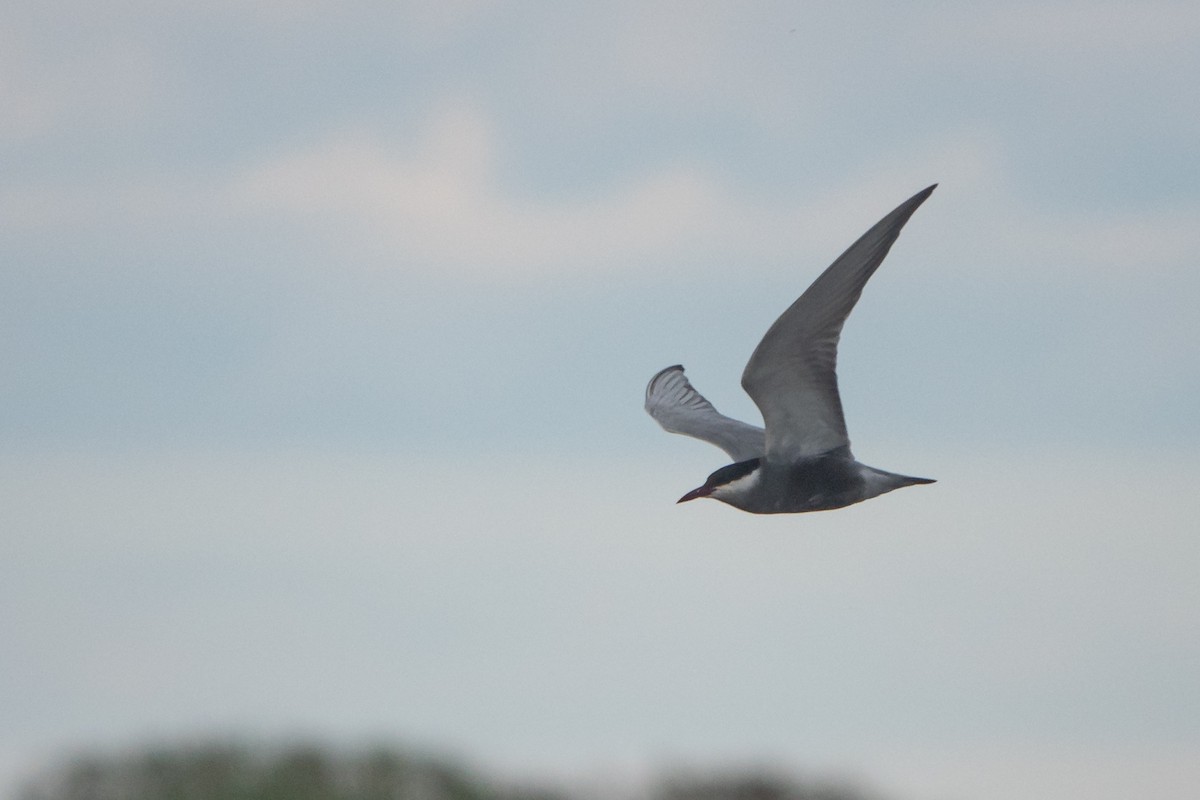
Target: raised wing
column 792, row 374
column 679, row 408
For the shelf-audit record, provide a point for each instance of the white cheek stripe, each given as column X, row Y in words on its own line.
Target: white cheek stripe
column 738, row 487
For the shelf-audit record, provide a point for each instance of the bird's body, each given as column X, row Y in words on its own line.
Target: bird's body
column 801, row 460
column 824, row 482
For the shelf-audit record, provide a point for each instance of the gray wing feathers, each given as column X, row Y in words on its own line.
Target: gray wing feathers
column 792, row 374
column 679, row 408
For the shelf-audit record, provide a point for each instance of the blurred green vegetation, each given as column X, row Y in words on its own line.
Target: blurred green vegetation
column 312, row 772
column 241, row 772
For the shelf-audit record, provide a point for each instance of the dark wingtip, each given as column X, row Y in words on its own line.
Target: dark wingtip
column 659, row 374
column 895, row 221
column 665, row 370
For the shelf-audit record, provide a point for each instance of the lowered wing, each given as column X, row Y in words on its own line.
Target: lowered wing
column 678, row 408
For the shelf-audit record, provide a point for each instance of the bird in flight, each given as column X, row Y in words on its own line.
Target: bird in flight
column 802, row 460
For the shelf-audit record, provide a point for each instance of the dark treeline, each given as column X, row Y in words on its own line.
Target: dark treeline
column 311, row 772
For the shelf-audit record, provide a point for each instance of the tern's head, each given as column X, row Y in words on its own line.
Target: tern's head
column 727, row 482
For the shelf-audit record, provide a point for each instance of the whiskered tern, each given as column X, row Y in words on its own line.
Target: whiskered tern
column 802, row 460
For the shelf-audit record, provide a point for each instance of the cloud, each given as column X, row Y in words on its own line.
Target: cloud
column 1096, row 28
column 96, row 85
column 438, row 203
column 1134, row 245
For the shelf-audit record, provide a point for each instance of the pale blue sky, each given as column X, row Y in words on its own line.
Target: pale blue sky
column 303, row 305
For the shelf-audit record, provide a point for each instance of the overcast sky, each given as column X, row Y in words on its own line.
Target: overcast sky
column 324, row 328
